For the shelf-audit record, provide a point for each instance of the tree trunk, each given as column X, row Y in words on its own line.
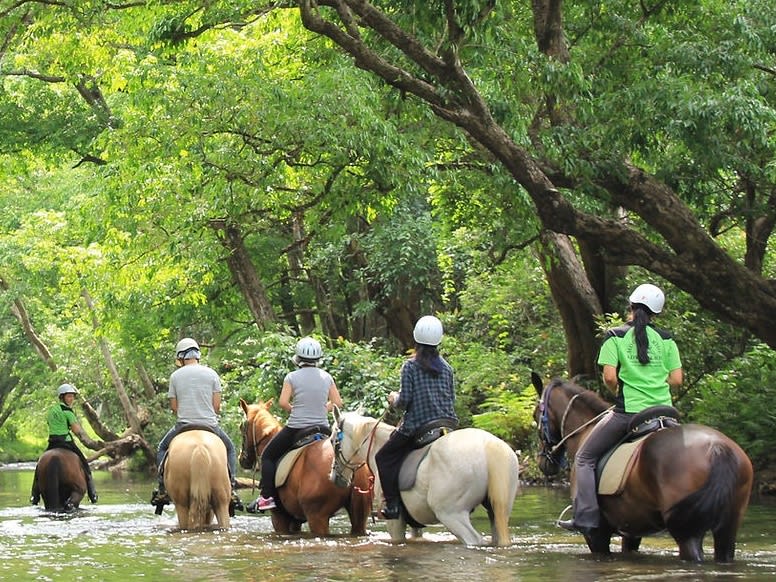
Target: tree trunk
column 118, row 384
column 20, row 313
column 244, row 273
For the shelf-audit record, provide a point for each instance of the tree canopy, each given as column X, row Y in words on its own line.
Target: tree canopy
column 341, row 167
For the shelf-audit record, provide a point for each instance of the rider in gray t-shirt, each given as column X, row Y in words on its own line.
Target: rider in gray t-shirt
column 195, row 397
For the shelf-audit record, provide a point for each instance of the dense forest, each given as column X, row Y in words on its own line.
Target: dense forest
column 249, row 172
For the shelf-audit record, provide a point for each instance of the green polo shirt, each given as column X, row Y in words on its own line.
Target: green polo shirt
column 641, row 385
column 60, row 418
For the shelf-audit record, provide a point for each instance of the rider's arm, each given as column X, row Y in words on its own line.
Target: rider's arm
column 610, row 378
column 675, row 378
column 174, row 405
column 334, row 398
column 217, row 402
column 285, row 397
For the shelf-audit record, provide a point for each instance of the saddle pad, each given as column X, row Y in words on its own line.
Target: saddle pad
column 409, row 467
column 287, row 462
column 618, row 467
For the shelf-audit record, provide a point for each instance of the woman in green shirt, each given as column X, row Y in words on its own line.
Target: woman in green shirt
column 62, row 423
column 641, row 365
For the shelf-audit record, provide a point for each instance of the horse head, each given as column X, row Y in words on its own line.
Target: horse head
column 256, row 430
column 551, row 457
column 346, row 438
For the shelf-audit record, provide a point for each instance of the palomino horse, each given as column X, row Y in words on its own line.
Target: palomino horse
column 196, row 476
column 463, row 469
column 60, row 479
column 308, row 493
column 687, row 479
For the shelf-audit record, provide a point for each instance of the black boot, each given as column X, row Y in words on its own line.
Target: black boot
column 160, row 498
column 90, row 489
column 35, row 498
column 235, row 504
column 391, row 509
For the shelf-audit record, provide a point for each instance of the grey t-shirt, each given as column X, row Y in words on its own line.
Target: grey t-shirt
column 193, row 386
column 310, row 392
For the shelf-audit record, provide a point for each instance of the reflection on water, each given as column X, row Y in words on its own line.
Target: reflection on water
column 121, row 539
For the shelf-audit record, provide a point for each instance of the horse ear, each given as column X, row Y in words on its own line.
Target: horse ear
column 361, row 411
column 268, row 403
column 337, row 414
column 536, row 380
column 244, row 406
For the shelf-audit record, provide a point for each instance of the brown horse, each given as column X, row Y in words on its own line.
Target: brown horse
column 308, row 493
column 60, row 479
column 688, row 479
column 196, row 477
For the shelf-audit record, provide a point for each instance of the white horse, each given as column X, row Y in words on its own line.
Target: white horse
column 463, row 469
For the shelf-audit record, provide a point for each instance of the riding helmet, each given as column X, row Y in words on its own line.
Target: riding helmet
column 649, row 295
column 428, row 331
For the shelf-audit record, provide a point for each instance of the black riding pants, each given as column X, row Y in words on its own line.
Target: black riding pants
column 389, row 459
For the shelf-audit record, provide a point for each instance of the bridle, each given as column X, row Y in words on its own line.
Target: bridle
column 554, row 447
column 342, row 462
column 258, row 445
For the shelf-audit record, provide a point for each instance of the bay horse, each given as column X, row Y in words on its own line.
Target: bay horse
column 196, row 476
column 687, row 479
column 308, row 494
column 462, row 470
column 60, row 480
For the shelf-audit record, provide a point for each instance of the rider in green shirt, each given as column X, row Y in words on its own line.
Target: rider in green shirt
column 62, row 423
column 640, row 364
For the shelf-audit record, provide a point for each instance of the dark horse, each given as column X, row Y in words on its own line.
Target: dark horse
column 60, row 479
column 688, row 479
column 308, row 493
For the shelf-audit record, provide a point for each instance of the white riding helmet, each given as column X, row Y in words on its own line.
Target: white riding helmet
column 309, row 349
column 428, row 331
column 184, row 346
column 649, row 295
column 66, row 389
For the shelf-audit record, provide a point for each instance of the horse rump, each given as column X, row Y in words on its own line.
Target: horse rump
column 713, row 506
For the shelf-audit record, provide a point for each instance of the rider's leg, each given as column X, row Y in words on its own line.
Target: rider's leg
column 389, row 459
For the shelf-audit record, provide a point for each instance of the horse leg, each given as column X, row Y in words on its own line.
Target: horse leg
column 459, row 524
column 282, row 523
column 397, row 528
column 630, row 544
column 319, row 524
column 183, row 515
column 725, row 544
column 599, row 539
column 691, row 549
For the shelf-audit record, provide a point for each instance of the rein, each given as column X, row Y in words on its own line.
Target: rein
column 558, row 446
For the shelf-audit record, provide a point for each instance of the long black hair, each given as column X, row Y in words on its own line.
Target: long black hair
column 428, row 358
column 642, row 316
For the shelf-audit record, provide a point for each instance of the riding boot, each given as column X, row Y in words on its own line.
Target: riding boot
column 391, row 509
column 90, row 488
column 160, row 498
column 235, row 503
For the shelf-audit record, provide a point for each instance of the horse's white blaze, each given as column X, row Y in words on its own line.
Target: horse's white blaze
column 461, row 471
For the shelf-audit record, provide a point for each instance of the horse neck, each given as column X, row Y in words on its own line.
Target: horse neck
column 580, row 418
column 273, row 428
column 373, row 438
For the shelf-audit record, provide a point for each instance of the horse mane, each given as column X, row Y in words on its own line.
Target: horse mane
column 264, row 421
column 591, row 399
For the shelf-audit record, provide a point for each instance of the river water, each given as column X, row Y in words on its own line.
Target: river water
column 120, row 538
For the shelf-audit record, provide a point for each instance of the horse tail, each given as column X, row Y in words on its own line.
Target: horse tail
column 199, row 487
column 53, row 474
column 503, row 485
column 713, row 506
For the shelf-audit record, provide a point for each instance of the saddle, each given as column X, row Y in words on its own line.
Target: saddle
column 615, row 466
column 304, row 440
column 423, row 439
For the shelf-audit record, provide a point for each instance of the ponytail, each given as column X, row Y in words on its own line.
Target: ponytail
column 641, row 318
column 428, row 358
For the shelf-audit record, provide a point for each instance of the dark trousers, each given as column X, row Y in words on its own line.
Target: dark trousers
column 389, row 459
column 609, row 430
column 277, row 447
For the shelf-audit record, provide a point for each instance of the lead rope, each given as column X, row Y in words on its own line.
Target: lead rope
column 371, row 438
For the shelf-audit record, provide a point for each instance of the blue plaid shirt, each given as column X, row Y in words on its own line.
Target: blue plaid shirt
column 425, row 397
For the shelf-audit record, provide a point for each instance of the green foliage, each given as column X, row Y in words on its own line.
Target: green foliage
column 738, row 400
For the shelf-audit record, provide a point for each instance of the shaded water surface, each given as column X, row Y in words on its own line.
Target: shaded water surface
column 120, row 538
